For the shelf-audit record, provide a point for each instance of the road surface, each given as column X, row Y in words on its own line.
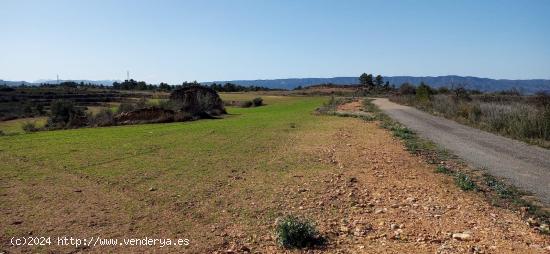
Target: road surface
column 525, row 166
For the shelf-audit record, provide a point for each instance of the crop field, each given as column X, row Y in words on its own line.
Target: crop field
column 157, row 179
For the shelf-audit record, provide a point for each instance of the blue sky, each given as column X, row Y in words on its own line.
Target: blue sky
column 173, row 41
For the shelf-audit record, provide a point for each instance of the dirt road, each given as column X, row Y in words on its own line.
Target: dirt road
column 525, row 166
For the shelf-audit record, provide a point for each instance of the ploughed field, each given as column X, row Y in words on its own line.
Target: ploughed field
column 223, row 183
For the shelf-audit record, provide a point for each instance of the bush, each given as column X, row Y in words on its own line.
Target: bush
column 499, row 187
column 407, row 89
column 2, row 133
column 258, row 101
column 104, row 117
column 464, row 182
column 126, row 107
column 246, row 104
column 29, row 127
column 443, row 90
column 293, row 232
column 423, row 92
column 442, row 169
column 65, row 114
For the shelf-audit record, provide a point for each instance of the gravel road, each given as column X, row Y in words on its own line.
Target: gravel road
column 525, row 166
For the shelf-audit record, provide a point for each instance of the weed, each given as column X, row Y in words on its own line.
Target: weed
column 29, row 127
column 293, row 232
column 464, row 182
column 499, row 187
column 443, row 170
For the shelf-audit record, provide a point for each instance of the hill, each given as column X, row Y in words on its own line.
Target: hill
column 51, row 81
column 483, row 84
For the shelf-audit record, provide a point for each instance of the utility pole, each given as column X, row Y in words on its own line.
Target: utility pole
column 58, row 79
column 128, row 75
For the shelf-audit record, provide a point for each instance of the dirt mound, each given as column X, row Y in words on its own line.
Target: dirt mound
column 149, row 115
column 198, row 101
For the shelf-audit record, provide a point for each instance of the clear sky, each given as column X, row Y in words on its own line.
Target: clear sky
column 173, row 41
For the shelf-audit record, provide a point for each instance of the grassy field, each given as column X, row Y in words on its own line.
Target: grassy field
column 169, row 179
column 223, row 183
column 15, row 126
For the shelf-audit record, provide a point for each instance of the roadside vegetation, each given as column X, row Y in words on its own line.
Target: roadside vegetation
column 508, row 113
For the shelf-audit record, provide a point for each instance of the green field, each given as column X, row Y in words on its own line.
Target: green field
column 141, row 172
column 15, row 126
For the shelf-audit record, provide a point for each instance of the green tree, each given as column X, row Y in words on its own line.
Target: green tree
column 366, row 80
column 379, row 81
column 423, row 92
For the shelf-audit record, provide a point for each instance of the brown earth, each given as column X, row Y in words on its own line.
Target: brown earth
column 372, row 196
column 350, row 107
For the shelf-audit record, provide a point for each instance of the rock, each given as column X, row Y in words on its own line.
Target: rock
column 410, row 199
column 152, row 189
column 394, row 226
column 377, row 211
column 344, row 229
column 360, row 231
column 532, row 222
column 462, row 236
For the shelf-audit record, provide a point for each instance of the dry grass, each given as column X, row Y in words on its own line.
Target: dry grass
column 513, row 118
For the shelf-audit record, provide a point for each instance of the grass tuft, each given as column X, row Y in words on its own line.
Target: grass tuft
column 443, row 170
column 464, row 182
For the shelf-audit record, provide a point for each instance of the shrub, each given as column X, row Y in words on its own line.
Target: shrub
column 443, row 90
column 2, row 133
column 167, row 104
column 445, row 104
column 407, row 89
column 293, row 232
column 443, row 170
column 104, row 117
column 126, row 107
column 423, row 92
column 464, row 182
column 461, row 93
column 499, row 187
column 65, row 114
column 258, row 101
column 474, row 114
column 141, row 103
column 246, row 104
column 29, row 127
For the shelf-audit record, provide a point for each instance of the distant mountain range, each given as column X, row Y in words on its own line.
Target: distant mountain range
column 483, row 84
column 50, row 81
